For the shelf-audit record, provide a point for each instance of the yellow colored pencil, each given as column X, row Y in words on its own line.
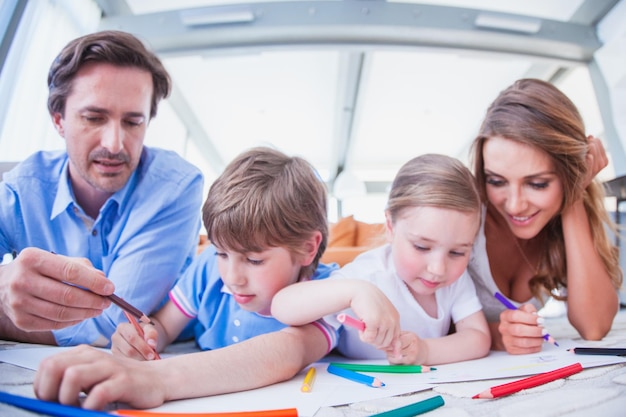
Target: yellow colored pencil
column 307, row 384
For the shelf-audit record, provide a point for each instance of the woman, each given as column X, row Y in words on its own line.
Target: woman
column 543, row 229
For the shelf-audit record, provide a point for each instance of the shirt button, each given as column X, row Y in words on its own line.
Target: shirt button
column 237, row 322
column 94, row 232
column 235, row 339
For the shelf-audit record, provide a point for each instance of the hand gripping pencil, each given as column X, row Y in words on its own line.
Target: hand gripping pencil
column 511, row 306
column 530, row 382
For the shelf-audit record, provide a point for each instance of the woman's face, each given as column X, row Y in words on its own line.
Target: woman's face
column 521, row 185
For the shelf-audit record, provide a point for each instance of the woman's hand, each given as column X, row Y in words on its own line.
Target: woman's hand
column 596, row 159
column 521, row 330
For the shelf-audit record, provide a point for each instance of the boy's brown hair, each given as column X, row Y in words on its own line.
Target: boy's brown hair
column 265, row 199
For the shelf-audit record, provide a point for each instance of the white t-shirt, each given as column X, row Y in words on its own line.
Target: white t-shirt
column 454, row 302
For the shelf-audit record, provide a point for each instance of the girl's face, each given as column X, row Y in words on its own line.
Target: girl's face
column 254, row 278
column 431, row 246
column 521, row 185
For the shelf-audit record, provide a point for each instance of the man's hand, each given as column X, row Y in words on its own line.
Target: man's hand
column 40, row 290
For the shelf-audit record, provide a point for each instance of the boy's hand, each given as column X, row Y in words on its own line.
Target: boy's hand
column 105, row 379
column 126, row 341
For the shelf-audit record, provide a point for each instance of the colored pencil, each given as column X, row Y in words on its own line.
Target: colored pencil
column 48, row 408
column 129, row 308
column 283, row 412
column 599, row 351
column 307, row 384
column 132, row 320
column 511, row 306
column 530, row 382
column 351, row 321
column 356, row 377
column 414, row 409
column 386, row 369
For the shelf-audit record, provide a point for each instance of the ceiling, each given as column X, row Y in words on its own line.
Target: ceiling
column 354, row 86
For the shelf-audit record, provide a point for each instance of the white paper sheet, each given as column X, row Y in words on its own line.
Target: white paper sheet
column 331, row 390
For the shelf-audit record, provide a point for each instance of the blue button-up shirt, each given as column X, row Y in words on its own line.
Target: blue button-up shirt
column 145, row 235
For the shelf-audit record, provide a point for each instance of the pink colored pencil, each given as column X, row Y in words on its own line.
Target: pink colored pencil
column 351, row 321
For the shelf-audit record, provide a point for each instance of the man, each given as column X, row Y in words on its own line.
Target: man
column 108, row 210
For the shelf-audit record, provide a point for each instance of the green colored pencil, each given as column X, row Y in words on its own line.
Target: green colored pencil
column 385, row 369
column 414, row 409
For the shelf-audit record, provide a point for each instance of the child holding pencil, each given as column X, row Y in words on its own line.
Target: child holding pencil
column 266, row 219
column 432, row 217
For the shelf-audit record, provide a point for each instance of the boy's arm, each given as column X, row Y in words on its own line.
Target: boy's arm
column 254, row 363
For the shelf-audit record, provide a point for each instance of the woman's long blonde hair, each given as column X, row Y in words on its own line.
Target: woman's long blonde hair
column 535, row 113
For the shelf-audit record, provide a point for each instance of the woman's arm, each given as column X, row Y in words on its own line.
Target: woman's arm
column 592, row 301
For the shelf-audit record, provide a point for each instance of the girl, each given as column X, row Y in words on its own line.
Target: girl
column 432, row 217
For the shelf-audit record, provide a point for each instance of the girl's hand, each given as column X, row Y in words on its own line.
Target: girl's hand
column 521, row 330
column 411, row 350
column 382, row 320
column 128, row 342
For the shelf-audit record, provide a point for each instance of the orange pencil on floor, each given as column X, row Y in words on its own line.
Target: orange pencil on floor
column 134, row 322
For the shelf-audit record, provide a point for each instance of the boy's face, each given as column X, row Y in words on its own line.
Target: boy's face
column 254, row 278
column 431, row 246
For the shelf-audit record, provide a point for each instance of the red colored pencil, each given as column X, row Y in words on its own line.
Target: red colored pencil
column 530, row 382
column 351, row 321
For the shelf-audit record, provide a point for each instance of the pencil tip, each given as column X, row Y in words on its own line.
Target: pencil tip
column 145, row 319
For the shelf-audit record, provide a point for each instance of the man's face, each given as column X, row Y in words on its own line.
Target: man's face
column 106, row 116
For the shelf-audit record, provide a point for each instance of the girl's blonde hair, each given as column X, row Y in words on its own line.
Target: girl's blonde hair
column 433, row 180
column 535, row 113
column 265, row 199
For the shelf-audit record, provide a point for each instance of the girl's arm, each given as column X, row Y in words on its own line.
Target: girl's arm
column 308, row 301
column 470, row 341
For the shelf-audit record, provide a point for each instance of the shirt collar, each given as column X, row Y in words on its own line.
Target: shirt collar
column 65, row 196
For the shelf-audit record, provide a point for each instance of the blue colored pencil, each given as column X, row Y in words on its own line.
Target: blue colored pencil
column 48, row 408
column 356, row 376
